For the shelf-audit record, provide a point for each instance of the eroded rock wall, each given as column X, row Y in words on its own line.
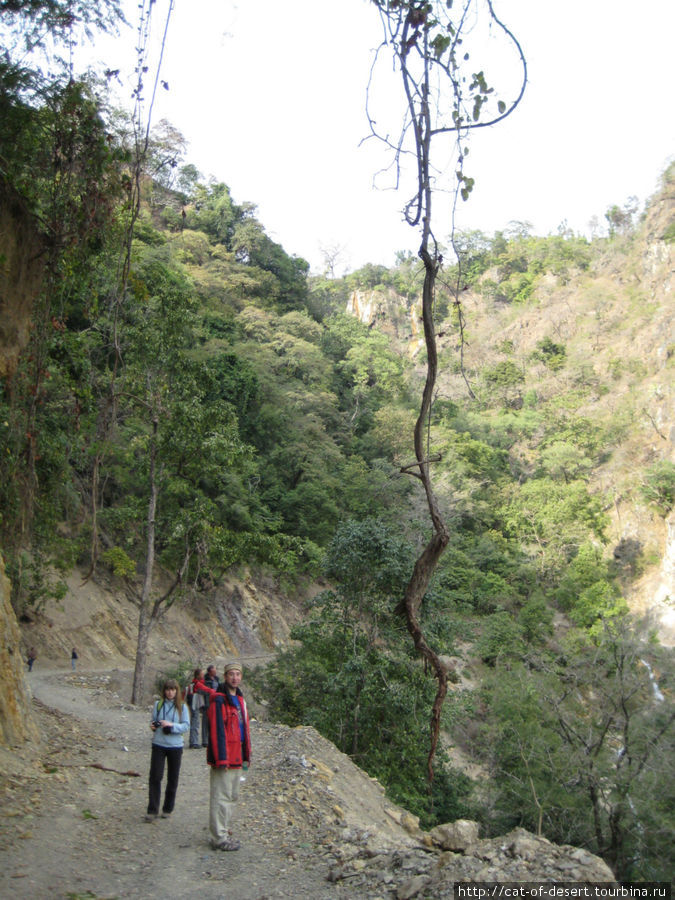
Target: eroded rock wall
column 16, row 721
column 21, row 273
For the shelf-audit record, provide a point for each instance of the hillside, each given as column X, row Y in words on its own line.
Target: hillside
column 246, row 617
column 607, row 402
column 608, row 309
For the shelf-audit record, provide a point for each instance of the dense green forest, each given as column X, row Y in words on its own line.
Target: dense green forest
column 191, row 399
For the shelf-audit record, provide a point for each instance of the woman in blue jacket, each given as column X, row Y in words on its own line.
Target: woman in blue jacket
column 170, row 721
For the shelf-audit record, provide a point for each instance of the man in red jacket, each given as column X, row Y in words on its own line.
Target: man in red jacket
column 228, row 753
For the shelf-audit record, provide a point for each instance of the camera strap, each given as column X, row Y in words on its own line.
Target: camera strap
column 160, row 706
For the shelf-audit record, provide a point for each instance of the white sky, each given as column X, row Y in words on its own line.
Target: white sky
column 270, row 95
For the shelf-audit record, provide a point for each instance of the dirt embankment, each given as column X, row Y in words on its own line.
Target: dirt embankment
column 247, row 616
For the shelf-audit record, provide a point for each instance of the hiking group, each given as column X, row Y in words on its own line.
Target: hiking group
column 215, row 715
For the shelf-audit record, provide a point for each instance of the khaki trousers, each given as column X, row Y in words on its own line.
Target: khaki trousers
column 224, row 793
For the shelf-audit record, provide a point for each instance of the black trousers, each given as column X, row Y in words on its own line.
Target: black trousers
column 173, row 756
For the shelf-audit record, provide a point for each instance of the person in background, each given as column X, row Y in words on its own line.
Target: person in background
column 170, row 721
column 196, row 702
column 211, row 681
column 228, row 752
column 32, row 656
column 73, row 659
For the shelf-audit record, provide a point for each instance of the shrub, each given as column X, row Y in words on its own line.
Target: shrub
column 658, row 486
column 505, row 374
column 597, row 602
column 551, row 354
column 536, row 620
column 120, row 563
column 181, row 671
column 502, row 638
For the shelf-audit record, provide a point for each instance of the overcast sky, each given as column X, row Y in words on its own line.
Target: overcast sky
column 270, row 95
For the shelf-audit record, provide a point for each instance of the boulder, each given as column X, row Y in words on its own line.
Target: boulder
column 456, row 836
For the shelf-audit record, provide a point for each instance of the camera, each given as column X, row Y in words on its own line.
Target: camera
column 165, row 728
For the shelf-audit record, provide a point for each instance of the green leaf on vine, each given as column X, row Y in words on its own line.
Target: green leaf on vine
column 477, row 103
column 440, row 44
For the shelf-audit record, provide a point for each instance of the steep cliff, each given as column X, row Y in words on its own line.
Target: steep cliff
column 21, row 272
column 16, row 721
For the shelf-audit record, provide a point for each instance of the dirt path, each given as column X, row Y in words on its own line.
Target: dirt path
column 72, row 829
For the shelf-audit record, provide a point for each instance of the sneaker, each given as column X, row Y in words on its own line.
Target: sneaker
column 150, row 817
column 228, row 844
column 165, row 815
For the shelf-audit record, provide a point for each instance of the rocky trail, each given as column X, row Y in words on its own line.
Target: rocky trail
column 311, row 824
column 73, row 820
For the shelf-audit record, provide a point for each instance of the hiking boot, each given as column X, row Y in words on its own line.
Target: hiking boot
column 228, row 844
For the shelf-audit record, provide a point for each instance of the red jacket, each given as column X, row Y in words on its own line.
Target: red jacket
column 226, row 749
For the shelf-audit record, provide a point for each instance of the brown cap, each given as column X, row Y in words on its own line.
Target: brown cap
column 232, row 666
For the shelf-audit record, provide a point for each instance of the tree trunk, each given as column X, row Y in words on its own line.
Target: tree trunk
column 144, row 617
column 144, row 624
column 596, row 806
column 615, row 854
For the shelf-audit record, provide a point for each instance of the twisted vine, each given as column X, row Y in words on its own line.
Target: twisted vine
column 443, row 97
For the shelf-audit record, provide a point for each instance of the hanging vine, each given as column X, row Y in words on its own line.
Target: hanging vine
column 445, row 96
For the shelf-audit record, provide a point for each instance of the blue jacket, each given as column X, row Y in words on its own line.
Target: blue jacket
column 166, row 709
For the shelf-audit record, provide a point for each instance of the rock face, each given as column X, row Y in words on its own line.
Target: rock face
column 394, row 315
column 245, row 616
column 665, row 587
column 516, row 857
column 16, row 721
column 21, row 276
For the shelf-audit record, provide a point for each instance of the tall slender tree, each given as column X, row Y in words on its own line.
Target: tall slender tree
column 445, row 96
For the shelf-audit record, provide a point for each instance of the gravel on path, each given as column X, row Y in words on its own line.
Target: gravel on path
column 73, row 823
